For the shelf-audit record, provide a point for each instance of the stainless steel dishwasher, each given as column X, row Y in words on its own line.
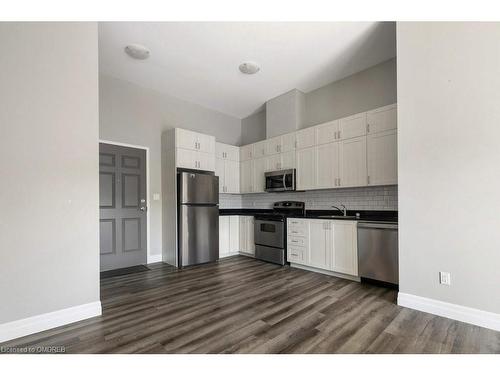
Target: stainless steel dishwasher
column 378, row 251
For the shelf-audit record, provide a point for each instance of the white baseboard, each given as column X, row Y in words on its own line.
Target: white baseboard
column 43, row 322
column 449, row 310
column 155, row 258
column 325, row 272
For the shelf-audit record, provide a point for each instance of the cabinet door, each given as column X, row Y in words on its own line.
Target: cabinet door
column 206, row 161
column 206, row 143
column 288, row 142
column 305, row 138
column 327, row 133
column 273, row 146
column 220, row 171
column 223, row 235
column 345, row 248
column 288, row 160
column 187, row 159
column 220, row 150
column 259, row 149
column 382, row 156
column 246, row 176
column 382, row 119
column 250, row 235
column 246, row 152
column 243, row 234
column 327, row 165
column 320, row 244
column 306, row 168
column 352, row 126
column 234, row 234
column 274, row 162
column 259, row 168
column 232, row 153
column 186, row 139
column 352, row 157
column 232, row 176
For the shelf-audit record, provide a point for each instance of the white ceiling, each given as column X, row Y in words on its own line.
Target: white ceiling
column 199, row 62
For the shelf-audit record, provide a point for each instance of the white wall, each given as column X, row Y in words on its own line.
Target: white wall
column 49, row 191
column 449, row 161
column 253, row 128
column 136, row 115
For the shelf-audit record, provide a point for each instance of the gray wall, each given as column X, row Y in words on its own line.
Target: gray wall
column 449, row 161
column 371, row 88
column 49, row 226
column 253, row 128
column 136, row 115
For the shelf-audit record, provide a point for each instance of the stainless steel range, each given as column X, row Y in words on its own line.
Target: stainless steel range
column 270, row 231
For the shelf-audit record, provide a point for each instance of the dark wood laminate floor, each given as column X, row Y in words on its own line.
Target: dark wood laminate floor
column 242, row 305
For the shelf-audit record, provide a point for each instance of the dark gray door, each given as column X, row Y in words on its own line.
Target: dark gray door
column 122, row 203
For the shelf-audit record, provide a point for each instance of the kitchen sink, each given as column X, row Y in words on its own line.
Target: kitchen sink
column 335, row 217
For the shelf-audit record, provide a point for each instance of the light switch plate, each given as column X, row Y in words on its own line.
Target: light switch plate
column 156, row 196
column 445, row 278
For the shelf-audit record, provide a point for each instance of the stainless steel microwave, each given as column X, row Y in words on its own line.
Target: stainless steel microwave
column 280, row 180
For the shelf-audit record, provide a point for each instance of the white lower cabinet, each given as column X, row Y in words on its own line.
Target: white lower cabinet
column 329, row 245
column 229, row 235
column 236, row 235
column 247, row 244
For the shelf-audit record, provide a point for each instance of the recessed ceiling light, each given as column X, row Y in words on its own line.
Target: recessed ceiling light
column 249, row 67
column 137, row 51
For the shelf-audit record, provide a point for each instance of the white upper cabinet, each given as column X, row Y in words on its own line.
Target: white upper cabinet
column 327, row 133
column 305, row 137
column 246, row 176
column 273, row 146
column 274, row 163
column 352, row 162
column 227, row 152
column 259, row 149
column 287, row 160
column 246, row 152
column 231, row 177
column 219, row 171
column 288, row 142
column 194, row 160
column 382, row 158
column 306, row 168
column 195, row 141
column 327, row 165
column 352, row 126
column 259, row 168
column 382, row 119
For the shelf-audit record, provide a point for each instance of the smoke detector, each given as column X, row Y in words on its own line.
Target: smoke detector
column 137, row 51
column 249, row 67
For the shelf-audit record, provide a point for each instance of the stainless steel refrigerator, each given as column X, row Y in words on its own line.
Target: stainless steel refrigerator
column 198, row 217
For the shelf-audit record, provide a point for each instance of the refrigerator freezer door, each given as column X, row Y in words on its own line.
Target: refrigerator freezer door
column 198, row 188
column 198, row 234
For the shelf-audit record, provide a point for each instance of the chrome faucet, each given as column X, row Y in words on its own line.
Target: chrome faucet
column 344, row 211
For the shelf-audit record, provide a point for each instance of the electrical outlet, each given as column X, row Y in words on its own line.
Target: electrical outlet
column 445, row 278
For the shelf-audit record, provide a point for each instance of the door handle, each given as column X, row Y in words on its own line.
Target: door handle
column 143, row 208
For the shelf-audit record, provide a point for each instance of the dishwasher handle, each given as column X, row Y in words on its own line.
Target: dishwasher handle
column 372, row 225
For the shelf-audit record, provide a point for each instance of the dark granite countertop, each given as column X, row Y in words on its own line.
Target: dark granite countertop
column 364, row 215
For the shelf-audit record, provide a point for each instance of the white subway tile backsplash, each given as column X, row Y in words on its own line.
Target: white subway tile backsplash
column 364, row 198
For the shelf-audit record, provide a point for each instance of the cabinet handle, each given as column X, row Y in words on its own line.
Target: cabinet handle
column 295, row 241
column 368, row 180
column 295, row 254
column 367, row 128
column 339, row 134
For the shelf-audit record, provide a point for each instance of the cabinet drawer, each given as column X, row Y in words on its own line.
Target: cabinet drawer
column 297, row 241
column 296, row 254
column 297, row 230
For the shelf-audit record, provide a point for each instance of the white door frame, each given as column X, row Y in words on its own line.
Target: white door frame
column 150, row 258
